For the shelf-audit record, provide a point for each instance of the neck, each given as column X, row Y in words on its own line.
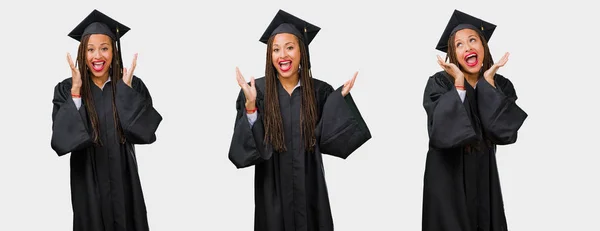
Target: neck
column 471, row 78
column 289, row 83
column 99, row 81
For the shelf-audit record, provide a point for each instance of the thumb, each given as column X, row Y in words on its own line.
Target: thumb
column 124, row 71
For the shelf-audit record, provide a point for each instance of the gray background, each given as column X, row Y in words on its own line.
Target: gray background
column 187, row 58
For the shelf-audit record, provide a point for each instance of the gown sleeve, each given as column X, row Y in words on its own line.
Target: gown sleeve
column 448, row 122
column 341, row 129
column 69, row 125
column 247, row 147
column 500, row 116
column 137, row 116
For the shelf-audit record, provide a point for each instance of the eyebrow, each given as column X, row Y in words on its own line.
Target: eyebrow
column 105, row 43
column 470, row 36
column 285, row 44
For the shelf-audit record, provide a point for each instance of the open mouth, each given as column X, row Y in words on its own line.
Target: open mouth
column 471, row 59
column 98, row 65
column 285, row 65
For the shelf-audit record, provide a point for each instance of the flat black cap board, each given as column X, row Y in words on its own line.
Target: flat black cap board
column 99, row 23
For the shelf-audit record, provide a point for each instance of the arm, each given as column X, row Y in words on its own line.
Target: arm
column 448, row 122
column 500, row 116
column 341, row 129
column 247, row 147
column 137, row 116
column 69, row 132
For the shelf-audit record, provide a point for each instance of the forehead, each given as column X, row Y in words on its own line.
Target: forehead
column 99, row 39
column 465, row 33
column 284, row 38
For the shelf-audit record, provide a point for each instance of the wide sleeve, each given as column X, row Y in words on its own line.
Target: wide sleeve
column 69, row 125
column 138, row 118
column 341, row 129
column 500, row 116
column 247, row 146
column 448, row 122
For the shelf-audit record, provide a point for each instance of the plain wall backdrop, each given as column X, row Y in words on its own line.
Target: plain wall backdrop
column 188, row 51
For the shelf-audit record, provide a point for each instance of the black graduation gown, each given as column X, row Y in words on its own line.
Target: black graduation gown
column 106, row 192
column 461, row 183
column 290, row 189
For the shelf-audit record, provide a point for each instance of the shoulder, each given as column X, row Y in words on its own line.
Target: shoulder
column 138, row 84
column 503, row 83
column 440, row 79
column 322, row 86
column 136, row 80
column 66, row 82
column 260, row 84
column 64, row 85
column 501, row 79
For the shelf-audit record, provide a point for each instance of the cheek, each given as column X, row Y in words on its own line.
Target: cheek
column 108, row 56
column 296, row 57
column 459, row 54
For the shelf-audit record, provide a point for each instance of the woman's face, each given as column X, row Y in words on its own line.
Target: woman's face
column 286, row 55
column 99, row 54
column 469, row 50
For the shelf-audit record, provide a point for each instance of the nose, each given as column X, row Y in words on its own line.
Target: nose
column 282, row 54
column 96, row 53
column 468, row 47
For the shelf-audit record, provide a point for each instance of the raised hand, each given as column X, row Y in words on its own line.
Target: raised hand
column 75, row 77
column 348, row 85
column 249, row 90
column 450, row 68
column 490, row 73
column 128, row 74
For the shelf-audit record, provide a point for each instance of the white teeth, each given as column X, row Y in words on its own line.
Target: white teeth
column 284, row 63
column 471, row 55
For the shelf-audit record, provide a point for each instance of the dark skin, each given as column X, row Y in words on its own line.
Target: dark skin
column 99, row 48
column 467, row 40
column 285, row 48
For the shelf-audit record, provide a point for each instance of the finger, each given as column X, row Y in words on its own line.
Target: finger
column 353, row 80
column 238, row 72
column 71, row 64
column 133, row 63
column 124, row 72
column 439, row 58
column 252, row 81
column 441, row 63
column 505, row 58
column 237, row 76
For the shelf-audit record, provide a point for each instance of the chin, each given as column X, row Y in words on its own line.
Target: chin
column 285, row 74
column 99, row 74
column 470, row 70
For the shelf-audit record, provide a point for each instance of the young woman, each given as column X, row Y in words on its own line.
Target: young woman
column 284, row 122
column 470, row 110
column 99, row 114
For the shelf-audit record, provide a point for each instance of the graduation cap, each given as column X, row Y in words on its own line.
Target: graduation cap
column 459, row 21
column 284, row 22
column 99, row 23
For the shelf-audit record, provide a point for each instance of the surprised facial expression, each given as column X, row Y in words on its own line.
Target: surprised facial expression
column 99, row 54
column 469, row 50
column 286, row 54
